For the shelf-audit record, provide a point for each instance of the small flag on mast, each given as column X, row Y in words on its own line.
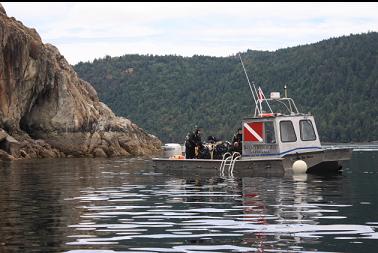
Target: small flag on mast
column 261, row 95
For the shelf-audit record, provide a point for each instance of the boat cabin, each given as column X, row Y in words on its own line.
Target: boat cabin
column 279, row 133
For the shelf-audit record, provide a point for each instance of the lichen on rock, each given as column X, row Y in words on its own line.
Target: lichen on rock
column 42, row 98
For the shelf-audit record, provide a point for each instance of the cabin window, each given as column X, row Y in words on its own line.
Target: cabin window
column 269, row 132
column 287, row 131
column 307, row 130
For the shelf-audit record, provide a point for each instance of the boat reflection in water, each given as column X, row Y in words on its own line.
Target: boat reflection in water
column 127, row 205
column 260, row 213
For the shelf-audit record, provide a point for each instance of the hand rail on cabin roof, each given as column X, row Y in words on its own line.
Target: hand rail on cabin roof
column 287, row 102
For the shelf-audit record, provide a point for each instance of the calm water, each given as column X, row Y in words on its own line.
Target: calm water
column 82, row 205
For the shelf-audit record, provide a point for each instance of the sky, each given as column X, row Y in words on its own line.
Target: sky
column 85, row 31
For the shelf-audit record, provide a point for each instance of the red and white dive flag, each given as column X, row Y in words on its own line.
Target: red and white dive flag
column 253, row 131
column 261, row 95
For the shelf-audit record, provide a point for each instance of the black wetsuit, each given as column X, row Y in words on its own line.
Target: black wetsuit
column 237, row 138
column 193, row 140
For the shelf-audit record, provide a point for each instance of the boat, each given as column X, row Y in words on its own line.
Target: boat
column 276, row 140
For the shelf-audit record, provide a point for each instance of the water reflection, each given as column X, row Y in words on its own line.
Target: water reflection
column 262, row 213
column 124, row 205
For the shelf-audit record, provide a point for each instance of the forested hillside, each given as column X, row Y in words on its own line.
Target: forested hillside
column 335, row 79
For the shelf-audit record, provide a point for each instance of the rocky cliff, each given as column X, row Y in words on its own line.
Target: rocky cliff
column 46, row 110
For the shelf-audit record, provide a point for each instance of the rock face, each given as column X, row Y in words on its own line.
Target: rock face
column 46, row 110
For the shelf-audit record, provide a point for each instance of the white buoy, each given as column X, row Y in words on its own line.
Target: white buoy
column 299, row 166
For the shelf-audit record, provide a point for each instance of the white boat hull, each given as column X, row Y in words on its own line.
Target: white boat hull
column 322, row 161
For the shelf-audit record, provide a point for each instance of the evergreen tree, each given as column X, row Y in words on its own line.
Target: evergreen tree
column 335, row 79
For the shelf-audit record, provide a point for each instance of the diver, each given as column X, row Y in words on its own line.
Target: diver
column 236, row 144
column 193, row 141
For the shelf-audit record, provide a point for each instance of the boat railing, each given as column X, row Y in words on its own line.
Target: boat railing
column 278, row 106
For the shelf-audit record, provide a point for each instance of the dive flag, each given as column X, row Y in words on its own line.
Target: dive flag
column 261, row 95
column 253, row 131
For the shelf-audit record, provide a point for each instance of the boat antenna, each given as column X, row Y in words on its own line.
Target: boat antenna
column 253, row 91
column 259, row 98
column 285, row 88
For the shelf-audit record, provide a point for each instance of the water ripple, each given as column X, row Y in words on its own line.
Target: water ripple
column 226, row 209
column 105, row 205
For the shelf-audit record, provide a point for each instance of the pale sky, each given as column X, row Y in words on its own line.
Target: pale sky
column 85, row 31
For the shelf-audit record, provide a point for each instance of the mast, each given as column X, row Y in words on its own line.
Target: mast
column 255, row 93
